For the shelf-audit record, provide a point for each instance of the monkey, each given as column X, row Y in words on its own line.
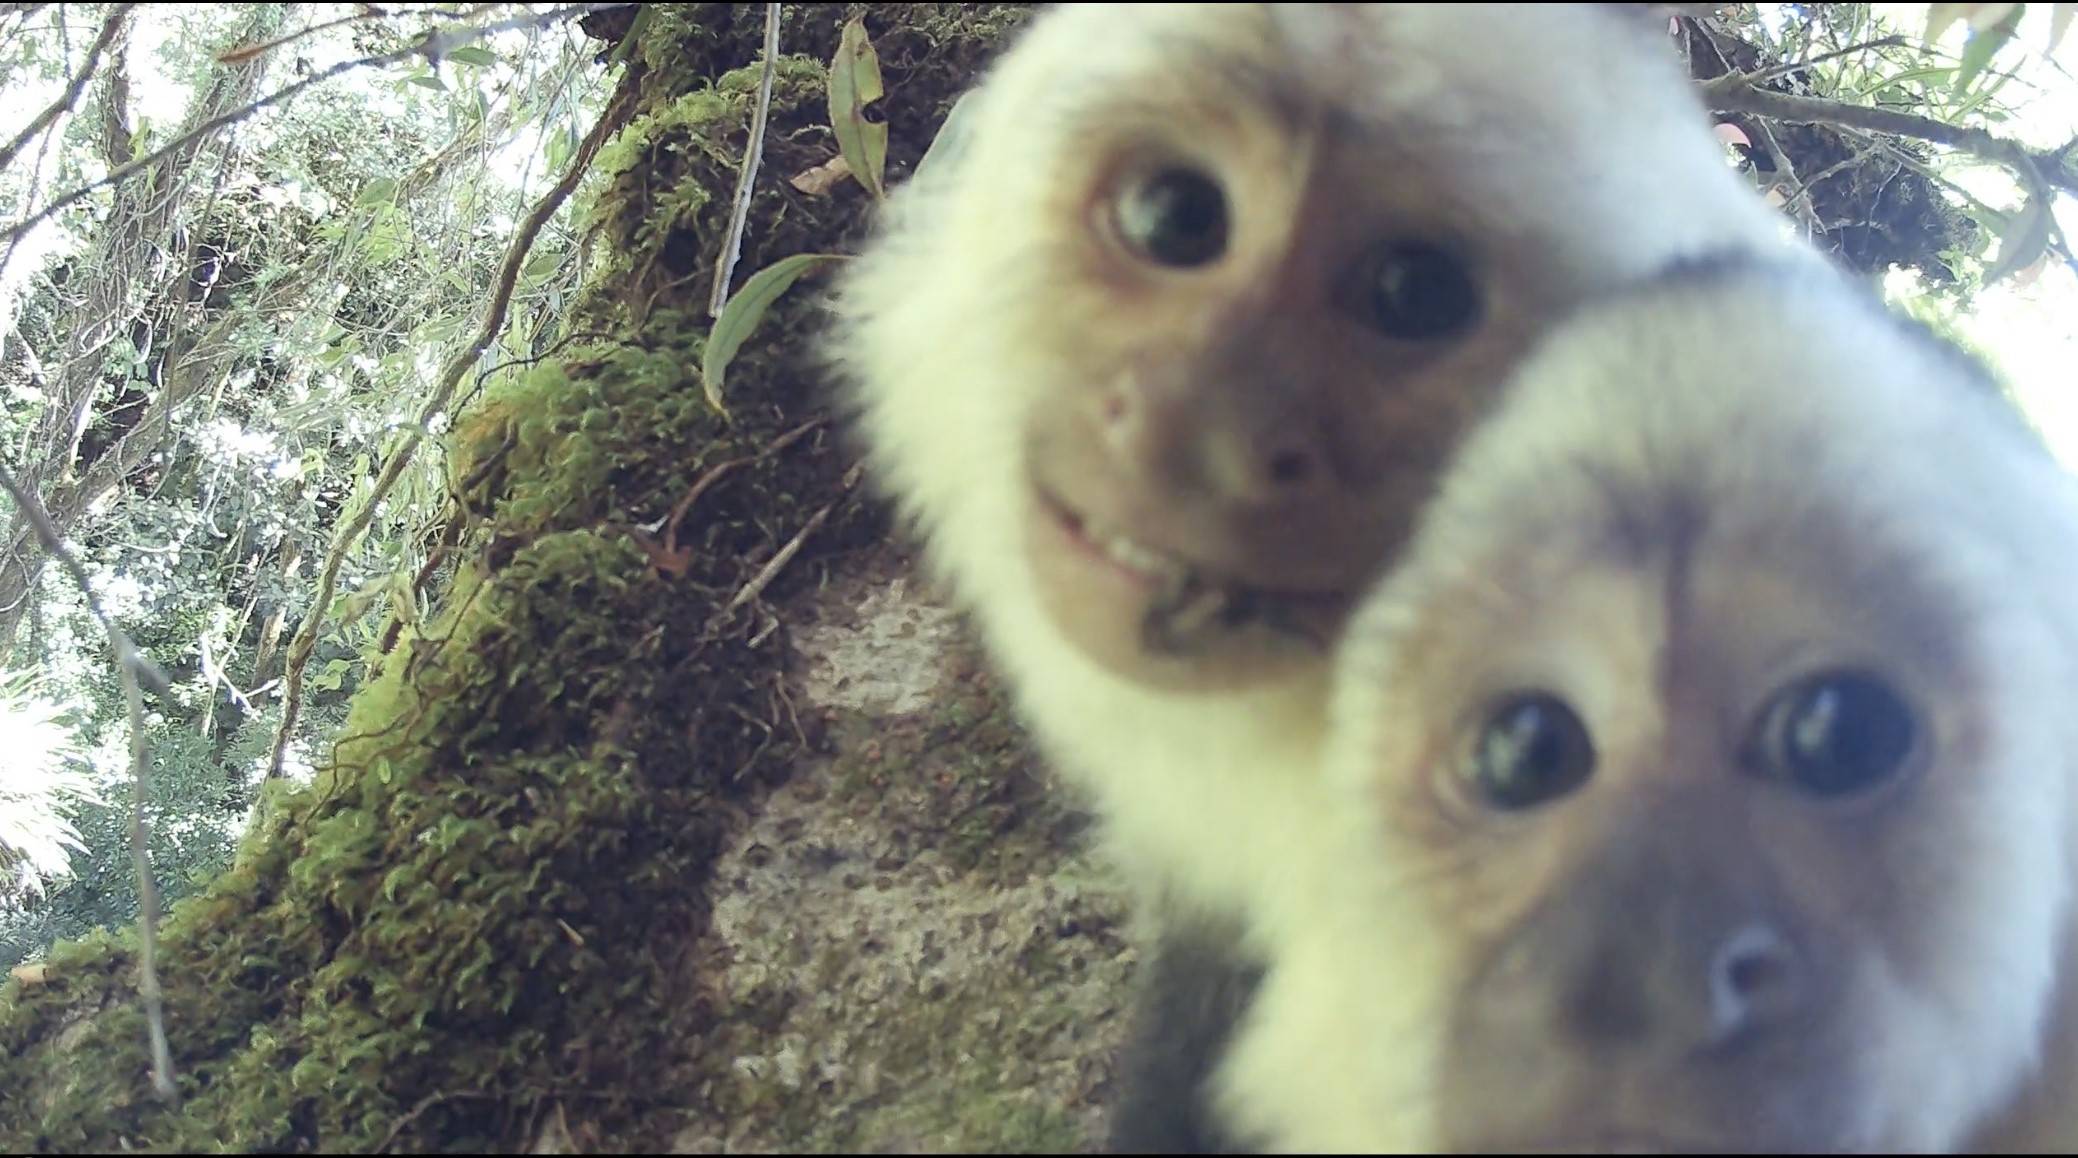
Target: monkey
column 1162, row 359
column 1705, row 770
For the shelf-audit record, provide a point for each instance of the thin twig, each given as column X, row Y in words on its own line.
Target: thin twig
column 618, row 109
column 433, row 46
column 424, row 1104
column 753, row 152
column 1773, row 71
column 785, row 555
column 1805, row 188
column 147, row 889
column 714, row 475
column 111, row 27
column 247, row 52
column 136, row 669
column 1920, row 167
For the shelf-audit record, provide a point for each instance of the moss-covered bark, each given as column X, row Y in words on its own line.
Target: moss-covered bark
column 483, row 916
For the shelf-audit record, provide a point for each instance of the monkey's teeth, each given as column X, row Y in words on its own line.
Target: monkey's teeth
column 1134, row 557
column 1127, row 553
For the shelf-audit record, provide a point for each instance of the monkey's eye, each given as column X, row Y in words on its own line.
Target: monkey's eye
column 1532, row 749
column 1420, row 292
column 1175, row 217
column 1835, row 733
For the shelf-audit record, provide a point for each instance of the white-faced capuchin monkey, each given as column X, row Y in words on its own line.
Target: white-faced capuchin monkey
column 1161, row 362
column 1708, row 762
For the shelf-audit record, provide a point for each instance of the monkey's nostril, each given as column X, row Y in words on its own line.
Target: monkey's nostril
column 1291, row 467
column 1753, row 981
column 1752, row 975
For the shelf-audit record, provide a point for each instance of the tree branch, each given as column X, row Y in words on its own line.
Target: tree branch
column 111, row 27
column 135, row 669
column 618, row 109
column 1734, row 94
column 433, row 45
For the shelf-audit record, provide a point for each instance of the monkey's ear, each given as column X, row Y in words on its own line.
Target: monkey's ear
column 943, row 154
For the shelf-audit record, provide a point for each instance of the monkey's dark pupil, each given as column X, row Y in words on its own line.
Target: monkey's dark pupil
column 1534, row 749
column 1177, row 218
column 1844, row 733
column 1420, row 292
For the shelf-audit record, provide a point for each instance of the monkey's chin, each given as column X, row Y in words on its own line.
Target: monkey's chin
column 1164, row 625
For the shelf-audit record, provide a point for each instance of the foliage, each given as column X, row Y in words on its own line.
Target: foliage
column 334, row 252
column 42, row 789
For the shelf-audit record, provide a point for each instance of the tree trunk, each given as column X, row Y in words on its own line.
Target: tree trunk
column 495, row 920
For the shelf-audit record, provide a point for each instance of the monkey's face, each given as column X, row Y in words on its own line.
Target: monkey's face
column 1712, row 753
column 1741, row 855
column 1259, row 351
column 1207, row 301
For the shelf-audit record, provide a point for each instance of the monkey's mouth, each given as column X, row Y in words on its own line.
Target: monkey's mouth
column 1142, row 565
column 1190, row 607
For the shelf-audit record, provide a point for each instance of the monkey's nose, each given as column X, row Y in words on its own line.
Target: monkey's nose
column 1250, row 458
column 1263, row 468
column 1757, row 982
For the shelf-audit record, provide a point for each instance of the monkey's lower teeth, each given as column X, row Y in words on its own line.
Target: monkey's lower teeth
column 1199, row 612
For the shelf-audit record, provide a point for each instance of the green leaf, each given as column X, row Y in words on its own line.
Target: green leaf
column 1980, row 99
column 636, row 28
column 473, row 54
column 403, row 598
column 562, row 147
column 2024, row 240
column 741, row 317
column 1939, row 18
column 377, row 192
column 854, row 84
column 428, row 80
column 1983, row 45
column 1907, row 77
column 542, row 264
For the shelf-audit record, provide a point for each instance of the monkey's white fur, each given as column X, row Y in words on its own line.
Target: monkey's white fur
column 1827, row 432
column 1554, row 119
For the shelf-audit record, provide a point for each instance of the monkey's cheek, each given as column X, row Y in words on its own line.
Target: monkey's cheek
column 1104, row 610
